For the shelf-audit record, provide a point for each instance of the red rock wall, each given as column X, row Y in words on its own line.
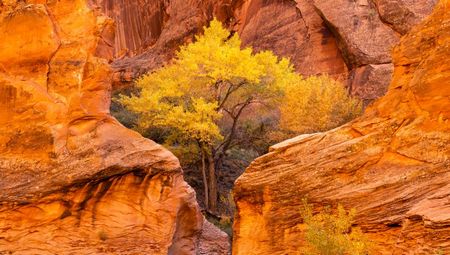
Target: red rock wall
column 392, row 165
column 366, row 31
column 350, row 40
column 149, row 32
column 292, row 30
column 72, row 179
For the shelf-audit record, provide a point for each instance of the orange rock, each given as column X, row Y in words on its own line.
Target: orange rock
column 72, row 179
column 392, row 164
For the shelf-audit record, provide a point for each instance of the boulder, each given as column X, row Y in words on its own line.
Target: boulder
column 290, row 29
column 392, row 164
column 72, row 179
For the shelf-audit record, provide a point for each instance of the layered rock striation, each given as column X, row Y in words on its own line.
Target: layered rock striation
column 392, row 164
column 72, row 179
column 349, row 40
column 149, row 32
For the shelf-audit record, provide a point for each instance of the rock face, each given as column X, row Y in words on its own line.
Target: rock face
column 350, row 40
column 147, row 42
column 392, row 165
column 291, row 29
column 402, row 15
column 72, row 179
column 149, row 32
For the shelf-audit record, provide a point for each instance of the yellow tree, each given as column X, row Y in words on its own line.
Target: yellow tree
column 209, row 80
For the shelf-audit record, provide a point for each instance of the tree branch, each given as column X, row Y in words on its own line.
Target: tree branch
column 225, row 145
column 231, row 89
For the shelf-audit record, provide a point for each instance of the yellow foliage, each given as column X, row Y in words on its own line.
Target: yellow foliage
column 207, row 79
column 215, row 76
column 332, row 234
column 317, row 103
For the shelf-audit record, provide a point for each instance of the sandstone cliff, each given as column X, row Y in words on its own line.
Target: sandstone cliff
column 72, row 179
column 350, row 40
column 392, row 164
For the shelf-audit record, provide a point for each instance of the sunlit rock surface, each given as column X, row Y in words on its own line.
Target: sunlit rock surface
column 392, row 165
column 72, row 179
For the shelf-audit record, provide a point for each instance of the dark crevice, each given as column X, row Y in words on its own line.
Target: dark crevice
column 52, row 56
column 308, row 34
column 104, row 187
column 348, row 59
column 394, row 225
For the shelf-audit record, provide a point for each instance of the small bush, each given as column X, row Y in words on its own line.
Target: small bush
column 332, row 234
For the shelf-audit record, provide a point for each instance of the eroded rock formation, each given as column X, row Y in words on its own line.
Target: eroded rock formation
column 350, row 40
column 292, row 29
column 366, row 31
column 392, row 164
column 149, row 32
column 72, row 179
column 147, row 42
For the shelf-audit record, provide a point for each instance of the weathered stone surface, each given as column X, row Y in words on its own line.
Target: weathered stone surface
column 213, row 241
column 144, row 25
column 402, row 15
column 392, row 164
column 307, row 31
column 149, row 32
column 72, row 179
column 362, row 37
column 291, row 30
column 370, row 82
column 366, row 31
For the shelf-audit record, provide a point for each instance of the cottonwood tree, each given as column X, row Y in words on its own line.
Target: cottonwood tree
column 209, row 81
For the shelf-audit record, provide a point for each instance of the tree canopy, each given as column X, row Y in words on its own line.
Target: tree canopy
column 214, row 88
column 207, row 79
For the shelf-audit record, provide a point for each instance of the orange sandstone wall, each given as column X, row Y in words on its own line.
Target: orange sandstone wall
column 392, row 165
column 72, row 179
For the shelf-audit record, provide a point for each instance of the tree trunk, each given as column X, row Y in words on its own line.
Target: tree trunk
column 205, row 181
column 212, row 183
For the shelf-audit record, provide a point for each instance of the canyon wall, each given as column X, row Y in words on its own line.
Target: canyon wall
column 349, row 39
column 392, row 164
column 72, row 179
column 149, row 32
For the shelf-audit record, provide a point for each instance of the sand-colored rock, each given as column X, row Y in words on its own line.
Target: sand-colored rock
column 392, row 165
column 213, row 241
column 363, row 38
column 72, row 179
column 366, row 32
column 370, row 82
